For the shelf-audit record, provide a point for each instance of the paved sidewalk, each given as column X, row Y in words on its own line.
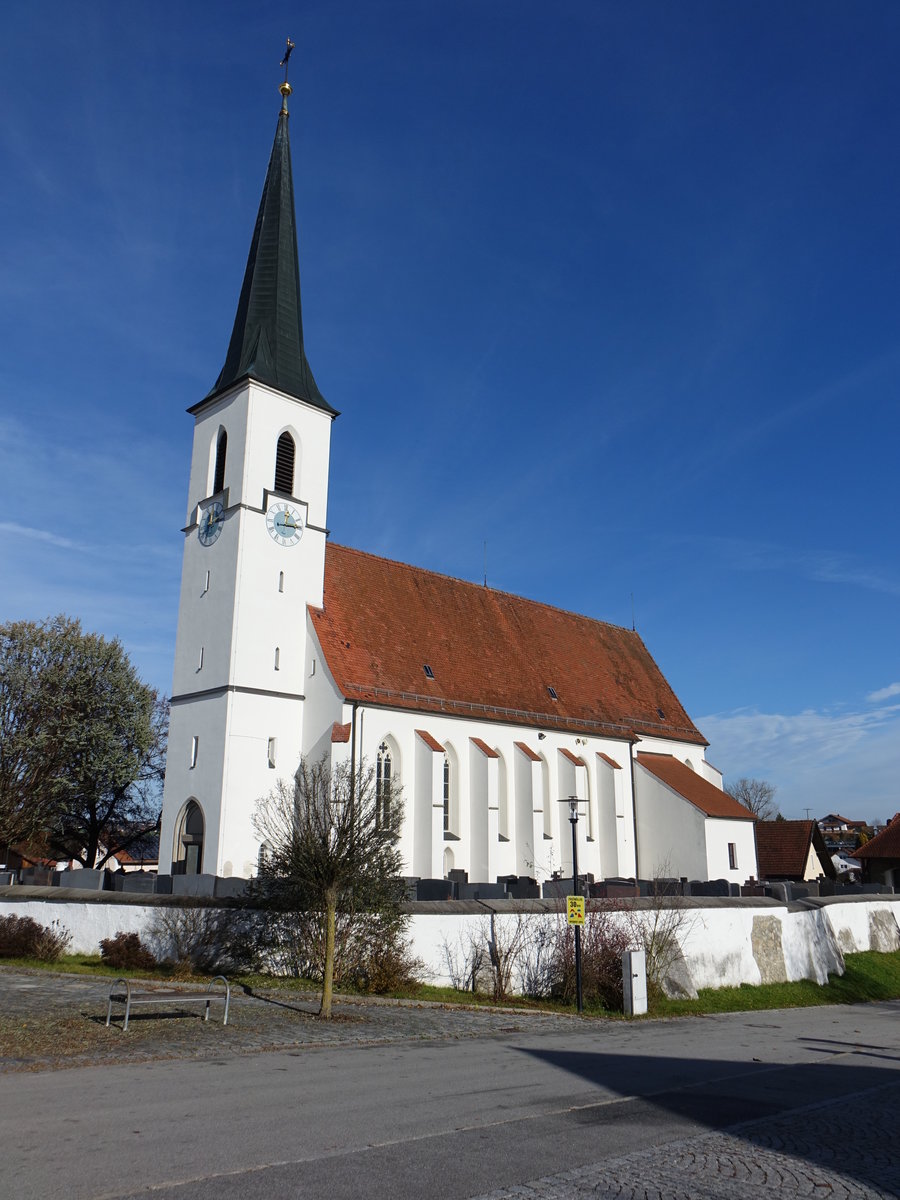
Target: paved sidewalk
column 50, row 1020
column 796, row 1155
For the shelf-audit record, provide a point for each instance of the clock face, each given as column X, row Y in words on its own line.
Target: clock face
column 211, row 521
column 284, row 523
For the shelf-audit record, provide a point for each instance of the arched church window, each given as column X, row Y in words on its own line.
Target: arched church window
column 189, row 840
column 384, row 769
column 221, row 450
column 446, row 793
column 284, row 465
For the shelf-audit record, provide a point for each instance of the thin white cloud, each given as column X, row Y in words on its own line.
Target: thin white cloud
column 40, row 535
column 820, row 566
column 885, row 693
column 816, row 759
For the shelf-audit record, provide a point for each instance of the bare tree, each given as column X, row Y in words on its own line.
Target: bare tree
column 330, row 841
column 756, row 794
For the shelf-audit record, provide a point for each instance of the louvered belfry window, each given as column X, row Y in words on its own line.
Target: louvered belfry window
column 221, row 449
column 284, row 465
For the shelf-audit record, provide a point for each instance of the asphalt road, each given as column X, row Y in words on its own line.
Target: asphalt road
column 799, row 1102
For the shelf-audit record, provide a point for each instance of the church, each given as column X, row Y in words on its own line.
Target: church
column 489, row 710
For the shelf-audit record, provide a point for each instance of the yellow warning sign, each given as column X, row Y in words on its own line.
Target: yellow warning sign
column 575, row 910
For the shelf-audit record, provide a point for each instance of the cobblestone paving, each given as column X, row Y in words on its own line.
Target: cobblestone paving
column 49, row 1020
column 843, row 1150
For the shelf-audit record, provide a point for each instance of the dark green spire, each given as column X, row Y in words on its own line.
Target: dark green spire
column 267, row 339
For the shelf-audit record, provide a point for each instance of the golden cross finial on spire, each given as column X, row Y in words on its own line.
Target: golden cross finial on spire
column 285, row 87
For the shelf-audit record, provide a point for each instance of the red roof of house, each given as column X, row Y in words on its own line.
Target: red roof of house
column 782, row 849
column 693, row 787
column 493, row 655
column 885, row 844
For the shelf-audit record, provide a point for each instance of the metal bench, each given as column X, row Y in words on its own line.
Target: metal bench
column 173, row 997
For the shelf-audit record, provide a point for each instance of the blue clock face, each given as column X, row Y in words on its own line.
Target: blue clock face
column 284, row 523
column 211, row 521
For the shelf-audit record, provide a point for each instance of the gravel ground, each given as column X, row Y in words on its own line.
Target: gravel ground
column 50, row 1020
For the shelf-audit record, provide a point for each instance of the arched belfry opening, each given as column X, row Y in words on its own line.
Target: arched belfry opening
column 219, row 475
column 284, row 464
column 188, row 850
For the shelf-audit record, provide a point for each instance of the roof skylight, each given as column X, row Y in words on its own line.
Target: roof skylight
column 429, row 674
column 553, row 695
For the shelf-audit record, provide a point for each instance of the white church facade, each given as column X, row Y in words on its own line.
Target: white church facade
column 486, row 708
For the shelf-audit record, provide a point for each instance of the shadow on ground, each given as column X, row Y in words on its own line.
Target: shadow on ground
column 743, row 1097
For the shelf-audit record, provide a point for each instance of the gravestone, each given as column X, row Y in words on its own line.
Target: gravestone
column 193, row 885
column 88, row 878
column 435, row 889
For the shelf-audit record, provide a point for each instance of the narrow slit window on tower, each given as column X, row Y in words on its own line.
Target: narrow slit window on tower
column 281, row 581
column 277, row 658
column 284, row 465
column 195, row 746
column 200, row 660
column 221, row 450
column 206, row 584
column 273, row 746
column 429, row 674
column 553, row 695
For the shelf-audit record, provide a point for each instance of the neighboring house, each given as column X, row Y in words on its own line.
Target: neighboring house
column 880, row 858
column 847, row 867
column 834, row 825
column 488, row 710
column 792, row 850
column 128, row 860
column 143, row 856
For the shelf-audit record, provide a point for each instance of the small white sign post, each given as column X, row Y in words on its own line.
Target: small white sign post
column 634, row 982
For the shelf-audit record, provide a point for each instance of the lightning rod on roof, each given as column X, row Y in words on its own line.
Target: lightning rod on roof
column 485, row 564
column 632, row 612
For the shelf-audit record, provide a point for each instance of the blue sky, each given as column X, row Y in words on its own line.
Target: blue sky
column 610, row 287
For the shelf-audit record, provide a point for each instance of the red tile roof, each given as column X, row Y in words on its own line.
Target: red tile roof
column 612, row 762
column 431, row 742
column 494, row 655
column 484, row 748
column 693, row 787
column 782, row 849
column 528, row 752
column 572, row 757
column 885, row 844
column 339, row 732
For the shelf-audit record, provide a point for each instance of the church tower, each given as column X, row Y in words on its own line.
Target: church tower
column 254, row 557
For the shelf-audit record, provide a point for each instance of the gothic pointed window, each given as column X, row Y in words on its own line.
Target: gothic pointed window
column 446, row 793
column 384, row 770
column 284, row 465
column 221, row 449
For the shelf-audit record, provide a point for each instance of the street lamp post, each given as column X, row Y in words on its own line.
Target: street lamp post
column 573, row 821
